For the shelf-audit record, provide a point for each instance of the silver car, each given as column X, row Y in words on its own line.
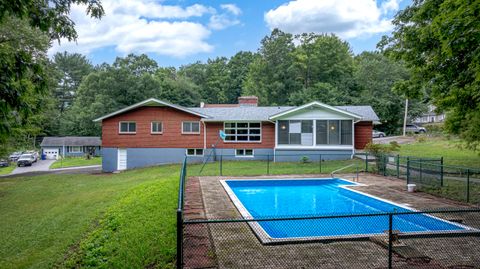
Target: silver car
column 377, row 134
column 412, row 128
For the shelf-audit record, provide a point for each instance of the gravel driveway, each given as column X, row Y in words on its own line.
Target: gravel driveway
column 41, row 165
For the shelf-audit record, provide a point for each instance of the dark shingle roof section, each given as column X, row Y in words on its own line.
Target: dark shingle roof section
column 366, row 112
column 263, row 113
column 71, row 141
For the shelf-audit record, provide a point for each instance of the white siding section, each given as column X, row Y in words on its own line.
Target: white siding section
column 316, row 114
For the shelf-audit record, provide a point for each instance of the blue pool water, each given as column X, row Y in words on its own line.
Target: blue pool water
column 286, row 198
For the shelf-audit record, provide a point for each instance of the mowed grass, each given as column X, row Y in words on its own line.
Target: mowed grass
column 451, row 151
column 252, row 168
column 8, row 169
column 124, row 220
column 76, row 161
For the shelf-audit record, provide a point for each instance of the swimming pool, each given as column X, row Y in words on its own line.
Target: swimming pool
column 265, row 198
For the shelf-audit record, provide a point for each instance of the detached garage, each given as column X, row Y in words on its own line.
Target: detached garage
column 71, row 146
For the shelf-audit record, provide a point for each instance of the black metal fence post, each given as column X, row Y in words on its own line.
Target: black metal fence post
column 468, row 185
column 268, row 164
column 384, row 166
column 221, row 165
column 398, row 165
column 408, row 170
column 179, row 238
column 320, row 163
column 390, row 243
column 366, row 162
column 441, row 171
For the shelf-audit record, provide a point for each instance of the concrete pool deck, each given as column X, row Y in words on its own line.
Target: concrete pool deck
column 234, row 245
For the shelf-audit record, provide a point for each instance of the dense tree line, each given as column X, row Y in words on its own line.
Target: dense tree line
column 431, row 57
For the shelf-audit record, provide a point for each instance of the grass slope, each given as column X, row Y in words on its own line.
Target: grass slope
column 8, row 169
column 451, row 151
column 79, row 161
column 45, row 216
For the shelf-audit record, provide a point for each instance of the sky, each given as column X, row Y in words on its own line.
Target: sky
column 176, row 33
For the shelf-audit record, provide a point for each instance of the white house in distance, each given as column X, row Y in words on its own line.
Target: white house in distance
column 431, row 116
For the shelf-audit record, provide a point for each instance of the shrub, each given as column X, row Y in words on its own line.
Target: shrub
column 305, row 159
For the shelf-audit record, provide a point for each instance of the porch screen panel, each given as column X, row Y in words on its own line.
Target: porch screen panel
column 333, row 132
column 307, row 133
column 346, row 129
column 322, row 132
column 283, row 131
column 295, row 132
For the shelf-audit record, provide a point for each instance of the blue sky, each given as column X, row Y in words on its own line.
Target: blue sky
column 181, row 32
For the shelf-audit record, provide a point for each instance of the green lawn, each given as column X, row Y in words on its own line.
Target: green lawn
column 8, row 169
column 451, row 151
column 76, row 161
column 251, row 168
column 124, row 220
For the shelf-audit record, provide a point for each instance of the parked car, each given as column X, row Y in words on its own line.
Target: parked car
column 34, row 153
column 26, row 160
column 14, row 156
column 412, row 128
column 376, row 134
column 4, row 163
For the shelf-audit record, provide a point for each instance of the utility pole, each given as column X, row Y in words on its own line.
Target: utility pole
column 405, row 117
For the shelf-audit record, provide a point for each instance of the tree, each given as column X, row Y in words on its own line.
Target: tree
column 271, row 76
column 377, row 75
column 70, row 70
column 439, row 40
column 238, row 67
column 22, row 52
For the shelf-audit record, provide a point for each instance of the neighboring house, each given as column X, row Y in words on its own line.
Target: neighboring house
column 156, row 132
column 71, row 146
column 431, row 116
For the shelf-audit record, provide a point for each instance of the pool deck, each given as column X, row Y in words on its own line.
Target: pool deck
column 234, row 245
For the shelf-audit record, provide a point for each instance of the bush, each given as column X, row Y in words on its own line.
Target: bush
column 305, row 159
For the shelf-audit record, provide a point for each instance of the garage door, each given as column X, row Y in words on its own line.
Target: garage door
column 122, row 159
column 51, row 153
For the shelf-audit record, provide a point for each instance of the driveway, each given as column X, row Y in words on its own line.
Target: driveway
column 41, row 165
column 399, row 139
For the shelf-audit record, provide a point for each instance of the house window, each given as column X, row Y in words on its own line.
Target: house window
column 334, row 132
column 194, row 152
column 157, row 127
column 244, row 152
column 295, row 132
column 190, row 127
column 74, row 149
column 128, row 127
column 243, row 131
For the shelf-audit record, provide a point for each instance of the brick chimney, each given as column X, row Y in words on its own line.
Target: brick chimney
column 248, row 101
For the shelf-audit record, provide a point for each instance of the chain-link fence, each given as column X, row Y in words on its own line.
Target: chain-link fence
column 276, row 164
column 447, row 238
column 430, row 175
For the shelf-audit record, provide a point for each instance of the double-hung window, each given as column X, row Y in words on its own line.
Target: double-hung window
column 243, row 131
column 190, row 127
column 128, row 127
column 157, row 127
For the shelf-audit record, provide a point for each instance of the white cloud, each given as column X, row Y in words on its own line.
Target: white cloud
column 142, row 26
column 232, row 8
column 225, row 19
column 346, row 18
column 390, row 5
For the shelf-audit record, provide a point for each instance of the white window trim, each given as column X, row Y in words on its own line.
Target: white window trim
column 120, row 127
column 69, row 149
column 244, row 151
column 151, row 127
column 195, row 155
column 199, row 127
column 261, row 129
column 315, row 146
